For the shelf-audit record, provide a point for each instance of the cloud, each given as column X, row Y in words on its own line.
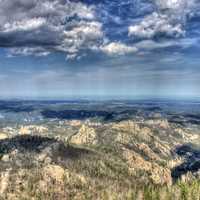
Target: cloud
column 116, row 48
column 168, row 20
column 28, row 51
column 41, row 27
column 178, row 5
column 151, row 45
column 156, row 25
column 83, row 35
column 44, row 26
column 23, row 25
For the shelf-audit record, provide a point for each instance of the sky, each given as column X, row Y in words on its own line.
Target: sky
column 99, row 48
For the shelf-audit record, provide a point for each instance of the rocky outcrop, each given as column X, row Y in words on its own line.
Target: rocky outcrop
column 134, row 160
column 128, row 131
column 4, row 181
column 24, row 130
column 27, row 130
column 159, row 175
column 175, row 162
column 186, row 136
column 126, row 126
column 144, row 148
column 161, row 123
column 5, row 158
column 54, row 171
column 86, row 135
column 3, row 136
column 73, row 123
column 60, row 174
column 162, row 148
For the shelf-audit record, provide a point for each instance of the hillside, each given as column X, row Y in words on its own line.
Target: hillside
column 146, row 159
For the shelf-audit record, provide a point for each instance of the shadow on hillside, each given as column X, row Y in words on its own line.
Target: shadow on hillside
column 191, row 155
column 38, row 144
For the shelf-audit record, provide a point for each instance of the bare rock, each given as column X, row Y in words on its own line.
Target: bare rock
column 134, row 160
column 148, row 152
column 3, row 136
column 159, row 175
column 86, row 135
column 126, row 126
column 54, row 171
column 5, row 158
column 162, row 123
column 24, row 130
column 4, row 181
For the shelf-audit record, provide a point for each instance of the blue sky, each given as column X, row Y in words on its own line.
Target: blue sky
column 125, row 48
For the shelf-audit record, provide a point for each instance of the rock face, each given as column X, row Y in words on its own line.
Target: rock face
column 160, row 175
column 148, row 152
column 86, row 135
column 188, row 137
column 127, row 126
column 128, row 131
column 27, row 130
column 60, row 177
column 4, row 181
column 157, row 174
column 54, row 171
column 162, row 123
column 175, row 162
column 3, row 136
column 162, row 148
column 73, row 123
column 59, row 174
column 5, row 158
column 24, row 131
column 135, row 161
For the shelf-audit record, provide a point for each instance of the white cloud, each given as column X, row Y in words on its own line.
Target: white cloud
column 156, row 25
column 168, row 20
column 174, row 4
column 148, row 45
column 27, row 51
column 116, row 48
column 84, row 35
column 23, row 25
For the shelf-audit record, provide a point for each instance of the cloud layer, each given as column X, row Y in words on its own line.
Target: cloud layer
column 168, row 20
column 156, row 25
column 41, row 27
column 30, row 26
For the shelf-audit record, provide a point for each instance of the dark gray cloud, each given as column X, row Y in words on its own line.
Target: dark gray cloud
column 49, row 25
